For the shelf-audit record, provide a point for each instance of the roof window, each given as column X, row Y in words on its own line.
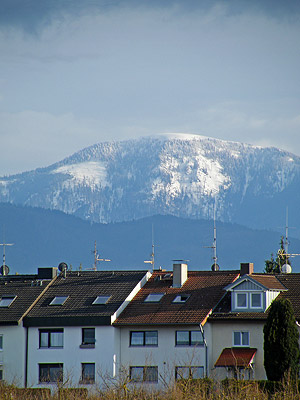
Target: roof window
column 6, row 300
column 58, row 300
column 181, row 298
column 101, row 299
column 154, row 297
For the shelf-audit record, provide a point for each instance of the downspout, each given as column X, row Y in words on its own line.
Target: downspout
column 26, row 356
column 205, row 345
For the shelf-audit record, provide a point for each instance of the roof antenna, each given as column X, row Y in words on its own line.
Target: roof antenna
column 286, row 268
column 4, row 268
column 152, row 255
column 215, row 266
column 96, row 257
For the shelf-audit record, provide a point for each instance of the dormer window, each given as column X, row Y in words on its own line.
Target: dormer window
column 58, row 300
column 255, row 300
column 241, row 300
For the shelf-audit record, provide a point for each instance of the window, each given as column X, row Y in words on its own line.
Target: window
column 181, row 298
column 241, row 339
column 1, row 342
column 51, row 338
column 144, row 374
column 88, row 373
column 6, row 300
column 189, row 372
column 241, row 300
column 58, row 300
column 1, row 373
column 143, row 338
column 256, row 301
column 154, row 297
column 188, row 338
column 50, row 373
column 88, row 337
column 101, row 299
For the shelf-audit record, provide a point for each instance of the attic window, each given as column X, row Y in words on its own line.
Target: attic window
column 6, row 300
column 58, row 300
column 101, row 299
column 154, row 297
column 181, row 298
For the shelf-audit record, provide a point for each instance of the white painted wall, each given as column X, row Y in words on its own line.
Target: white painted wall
column 12, row 357
column 166, row 355
column 71, row 355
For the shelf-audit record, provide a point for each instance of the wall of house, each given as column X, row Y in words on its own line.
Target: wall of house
column 222, row 337
column 166, row 356
column 12, row 355
column 71, row 355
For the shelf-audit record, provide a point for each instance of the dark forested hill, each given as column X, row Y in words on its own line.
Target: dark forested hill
column 43, row 238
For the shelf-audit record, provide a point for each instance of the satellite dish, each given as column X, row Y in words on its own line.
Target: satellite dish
column 63, row 267
column 286, row 269
column 4, row 270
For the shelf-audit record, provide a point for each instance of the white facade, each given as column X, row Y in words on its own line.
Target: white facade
column 166, row 355
column 12, row 354
column 72, row 355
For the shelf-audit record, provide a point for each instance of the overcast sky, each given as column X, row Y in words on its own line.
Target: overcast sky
column 74, row 73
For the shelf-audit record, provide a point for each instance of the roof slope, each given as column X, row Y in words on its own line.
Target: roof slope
column 82, row 288
column 26, row 289
column 204, row 287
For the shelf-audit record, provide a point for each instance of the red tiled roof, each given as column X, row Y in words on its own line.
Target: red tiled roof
column 205, row 288
column 236, row 357
column 269, row 281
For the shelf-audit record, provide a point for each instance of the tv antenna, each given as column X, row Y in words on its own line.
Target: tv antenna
column 152, row 255
column 5, row 269
column 285, row 253
column 97, row 257
column 215, row 266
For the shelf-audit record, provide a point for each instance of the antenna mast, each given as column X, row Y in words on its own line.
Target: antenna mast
column 152, row 255
column 96, row 257
column 215, row 266
column 5, row 244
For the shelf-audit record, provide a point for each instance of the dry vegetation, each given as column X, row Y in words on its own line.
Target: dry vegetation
column 187, row 390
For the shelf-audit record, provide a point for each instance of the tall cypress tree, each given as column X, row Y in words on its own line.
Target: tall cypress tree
column 281, row 341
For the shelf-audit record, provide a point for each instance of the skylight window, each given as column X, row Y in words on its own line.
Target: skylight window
column 58, row 300
column 154, row 297
column 181, row 298
column 6, row 300
column 101, row 299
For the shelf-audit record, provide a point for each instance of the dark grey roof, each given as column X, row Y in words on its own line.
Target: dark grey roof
column 27, row 289
column 82, row 288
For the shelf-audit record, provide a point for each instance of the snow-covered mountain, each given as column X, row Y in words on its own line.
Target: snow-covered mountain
column 178, row 174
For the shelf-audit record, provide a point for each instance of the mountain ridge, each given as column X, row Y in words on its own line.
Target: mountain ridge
column 178, row 174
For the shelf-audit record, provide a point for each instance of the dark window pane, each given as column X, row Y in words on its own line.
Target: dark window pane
column 137, row 339
column 151, row 338
column 88, row 336
column 182, row 338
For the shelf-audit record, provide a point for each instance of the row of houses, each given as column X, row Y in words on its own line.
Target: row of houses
column 84, row 328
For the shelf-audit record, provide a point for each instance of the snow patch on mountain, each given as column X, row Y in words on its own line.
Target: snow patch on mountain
column 91, row 173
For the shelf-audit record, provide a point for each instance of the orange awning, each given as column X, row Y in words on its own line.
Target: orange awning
column 236, row 357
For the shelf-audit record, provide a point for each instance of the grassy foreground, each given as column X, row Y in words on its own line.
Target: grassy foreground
column 188, row 390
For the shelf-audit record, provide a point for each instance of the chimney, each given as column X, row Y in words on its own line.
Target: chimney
column 247, row 268
column 179, row 274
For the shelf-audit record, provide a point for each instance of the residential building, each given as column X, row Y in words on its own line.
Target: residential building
column 18, row 294
column 163, row 331
column 71, row 339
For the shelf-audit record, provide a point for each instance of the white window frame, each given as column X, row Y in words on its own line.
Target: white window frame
column 236, row 300
column 261, row 300
column 241, row 337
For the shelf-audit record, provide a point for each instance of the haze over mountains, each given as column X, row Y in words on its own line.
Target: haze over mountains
column 175, row 174
column 172, row 181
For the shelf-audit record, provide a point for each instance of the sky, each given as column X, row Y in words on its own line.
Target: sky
column 75, row 73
